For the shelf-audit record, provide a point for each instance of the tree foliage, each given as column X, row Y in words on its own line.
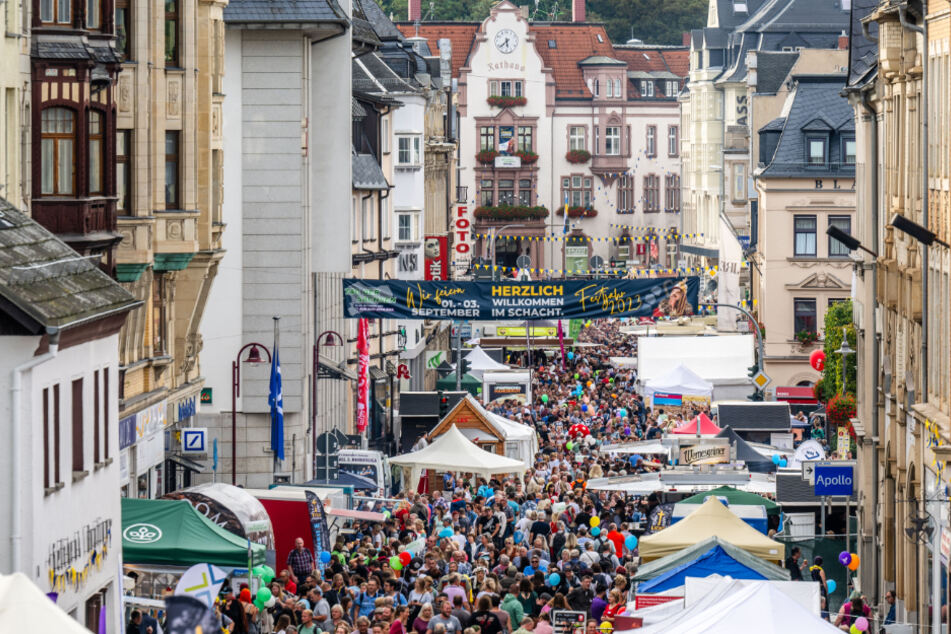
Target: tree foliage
column 653, row 21
column 838, row 376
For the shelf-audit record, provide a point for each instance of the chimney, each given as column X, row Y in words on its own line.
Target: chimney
column 523, row 11
column 843, row 41
column 415, row 10
column 577, row 11
column 685, row 38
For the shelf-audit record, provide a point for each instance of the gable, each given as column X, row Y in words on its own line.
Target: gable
column 470, row 421
column 821, row 281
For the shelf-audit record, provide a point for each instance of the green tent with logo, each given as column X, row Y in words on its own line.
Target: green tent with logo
column 173, row 533
column 735, row 497
column 469, row 383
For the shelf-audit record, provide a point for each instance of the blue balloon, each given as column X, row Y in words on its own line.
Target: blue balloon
column 445, row 532
column 554, row 579
column 630, row 542
column 776, row 459
column 783, row 463
column 571, row 355
column 529, row 571
column 324, row 557
column 595, row 531
column 830, row 585
column 584, row 408
column 622, row 413
column 517, row 537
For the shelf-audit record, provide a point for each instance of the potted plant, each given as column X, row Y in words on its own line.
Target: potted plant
column 486, row 157
column 841, row 409
column 511, row 212
column 528, row 157
column 578, row 156
column 807, row 337
column 506, row 101
column 578, row 212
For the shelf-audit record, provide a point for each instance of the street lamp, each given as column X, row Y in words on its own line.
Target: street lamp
column 330, row 339
column 254, row 356
column 917, row 232
column 847, row 240
column 495, row 231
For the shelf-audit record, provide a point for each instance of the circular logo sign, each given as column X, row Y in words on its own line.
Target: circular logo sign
column 142, row 533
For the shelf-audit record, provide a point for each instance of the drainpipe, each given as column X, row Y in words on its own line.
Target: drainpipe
column 872, row 174
column 379, row 246
column 17, row 456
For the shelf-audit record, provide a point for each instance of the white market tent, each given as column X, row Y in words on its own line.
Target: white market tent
column 521, row 442
column 722, row 360
column 24, row 608
column 680, row 481
column 454, row 452
column 679, row 380
column 480, row 361
column 638, row 446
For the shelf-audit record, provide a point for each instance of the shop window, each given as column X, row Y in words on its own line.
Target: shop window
column 57, row 149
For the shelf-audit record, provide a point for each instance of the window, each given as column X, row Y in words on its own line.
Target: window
column 617, row 88
column 172, row 179
column 58, row 138
column 95, row 417
column 625, row 194
column 171, row 33
column 647, row 88
column 159, row 326
column 673, row 140
column 597, row 87
column 354, row 221
column 576, row 140
column 804, row 314
column 407, row 227
column 486, row 138
column 56, row 12
column 95, row 152
column 506, row 88
column 47, row 450
column 739, row 182
column 672, row 186
column 93, row 14
column 506, row 192
column 817, row 151
column 525, row 134
column 77, row 407
column 612, row 140
column 652, row 193
column 610, row 89
column 124, row 172
column 366, row 218
column 525, row 192
column 804, row 236
column 576, row 190
column 672, row 87
column 597, row 140
column 51, row 437
column 836, row 248
column 105, row 413
column 487, row 192
column 652, row 140
column 409, row 150
column 848, row 151
column 123, row 29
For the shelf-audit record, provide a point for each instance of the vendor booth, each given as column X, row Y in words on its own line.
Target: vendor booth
column 711, row 556
column 232, row 508
column 469, row 383
column 677, row 389
column 503, row 386
column 25, row 608
column 723, row 361
column 745, row 453
column 490, row 431
column 711, row 519
column 479, row 362
column 735, row 497
column 453, row 452
column 754, row 515
column 701, row 425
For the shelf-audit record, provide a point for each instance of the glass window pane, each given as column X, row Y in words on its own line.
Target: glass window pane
column 576, row 181
column 524, row 183
column 65, row 166
column 63, row 11
column 565, row 183
column 506, row 184
column 92, row 14
column 46, row 10
column 95, row 166
column 48, row 169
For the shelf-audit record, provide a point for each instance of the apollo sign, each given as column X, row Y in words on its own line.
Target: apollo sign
column 834, row 480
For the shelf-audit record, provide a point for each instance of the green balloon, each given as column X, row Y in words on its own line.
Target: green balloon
column 259, row 604
column 544, row 398
column 264, row 595
column 395, row 563
column 258, row 571
column 576, row 375
column 569, row 445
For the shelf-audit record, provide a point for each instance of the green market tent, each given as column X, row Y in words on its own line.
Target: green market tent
column 469, row 383
column 735, row 497
column 173, row 533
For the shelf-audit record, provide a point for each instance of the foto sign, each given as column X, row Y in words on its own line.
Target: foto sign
column 833, row 479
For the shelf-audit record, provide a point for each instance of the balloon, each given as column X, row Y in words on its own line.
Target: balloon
column 630, row 542
column 569, row 445
column 830, row 585
column 543, row 565
column 258, row 604
column 529, row 571
column 554, row 579
column 589, row 383
column 544, row 398
column 386, row 514
column 776, row 459
column 854, row 629
column 395, row 563
column 595, row 531
column 571, row 356
column 854, row 564
column 263, row 595
column 861, row 624
column 517, row 537
column 268, row 575
column 325, row 557
column 845, row 558
column 405, row 558
column 257, row 571
column 576, row 376
column 584, row 408
column 783, row 463
column 606, row 626
column 817, row 360
column 595, row 521
column 622, row 412
column 445, row 532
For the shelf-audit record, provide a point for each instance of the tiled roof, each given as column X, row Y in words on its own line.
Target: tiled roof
column 644, row 62
column 863, row 53
column 71, row 47
column 461, row 34
column 771, row 70
column 367, row 173
column 43, row 278
column 298, row 11
column 382, row 25
column 573, row 43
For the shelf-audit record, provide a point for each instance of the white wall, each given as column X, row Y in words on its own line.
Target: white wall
column 409, row 186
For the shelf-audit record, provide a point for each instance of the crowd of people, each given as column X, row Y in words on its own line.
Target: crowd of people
column 496, row 556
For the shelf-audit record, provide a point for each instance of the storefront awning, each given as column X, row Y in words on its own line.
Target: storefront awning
column 189, row 464
column 693, row 249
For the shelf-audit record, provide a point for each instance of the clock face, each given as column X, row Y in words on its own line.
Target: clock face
column 506, row 40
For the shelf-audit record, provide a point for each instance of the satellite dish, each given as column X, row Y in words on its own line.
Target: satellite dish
column 523, row 262
column 596, row 262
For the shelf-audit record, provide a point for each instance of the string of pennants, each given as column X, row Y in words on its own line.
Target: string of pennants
column 644, row 273
column 611, row 239
column 73, row 577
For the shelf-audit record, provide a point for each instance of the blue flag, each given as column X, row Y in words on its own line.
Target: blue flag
column 275, row 400
column 565, row 228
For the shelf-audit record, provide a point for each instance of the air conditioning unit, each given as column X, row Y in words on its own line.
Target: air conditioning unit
column 800, row 525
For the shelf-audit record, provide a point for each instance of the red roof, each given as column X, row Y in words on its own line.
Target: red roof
column 461, row 34
column 573, row 43
column 648, row 60
column 707, row 426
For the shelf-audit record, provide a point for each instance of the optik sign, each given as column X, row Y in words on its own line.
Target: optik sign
column 834, row 480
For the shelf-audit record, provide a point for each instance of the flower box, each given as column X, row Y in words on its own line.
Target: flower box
column 486, row 157
column 807, row 337
column 578, row 212
column 511, row 212
column 528, row 157
column 506, row 101
column 578, row 156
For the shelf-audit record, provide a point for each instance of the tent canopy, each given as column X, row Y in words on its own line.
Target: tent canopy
column 173, row 533
column 707, row 426
column 755, row 461
column 469, row 383
column 711, row 519
column 25, row 608
column 679, row 380
column 480, row 361
column 454, row 452
column 720, row 358
column 711, row 556
column 735, row 497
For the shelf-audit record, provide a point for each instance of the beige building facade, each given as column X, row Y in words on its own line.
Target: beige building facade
column 14, row 78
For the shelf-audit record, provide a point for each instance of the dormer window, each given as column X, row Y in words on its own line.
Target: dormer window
column 848, row 151
column 739, row 6
column 647, row 88
column 672, row 88
column 816, row 150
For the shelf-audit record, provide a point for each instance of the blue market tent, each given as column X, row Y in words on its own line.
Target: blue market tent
column 709, row 557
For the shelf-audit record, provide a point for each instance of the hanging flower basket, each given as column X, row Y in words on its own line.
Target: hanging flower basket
column 578, row 156
column 841, row 409
column 528, row 157
column 486, row 157
column 511, row 212
column 506, row 102
column 578, row 212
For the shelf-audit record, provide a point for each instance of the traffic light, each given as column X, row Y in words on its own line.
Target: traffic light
column 463, row 367
column 443, row 404
column 755, row 396
column 754, row 369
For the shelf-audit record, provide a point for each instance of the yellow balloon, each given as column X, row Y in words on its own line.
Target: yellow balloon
column 606, row 626
column 595, row 521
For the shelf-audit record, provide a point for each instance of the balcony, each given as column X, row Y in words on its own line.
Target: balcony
column 86, row 224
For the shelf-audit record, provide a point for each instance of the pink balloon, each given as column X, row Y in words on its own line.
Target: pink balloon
column 861, row 624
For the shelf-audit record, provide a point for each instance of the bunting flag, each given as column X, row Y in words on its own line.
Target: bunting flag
column 363, row 376
column 598, row 239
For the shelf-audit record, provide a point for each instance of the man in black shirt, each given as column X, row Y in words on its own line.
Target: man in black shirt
column 580, row 598
column 487, row 621
column 794, row 566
